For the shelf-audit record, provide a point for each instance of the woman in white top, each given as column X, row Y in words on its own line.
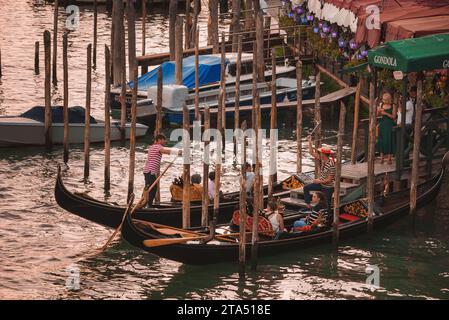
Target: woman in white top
column 274, row 215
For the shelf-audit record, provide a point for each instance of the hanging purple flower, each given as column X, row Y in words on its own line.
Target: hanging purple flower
column 359, row 56
column 341, row 43
column 316, row 29
column 334, row 34
column 310, row 17
column 304, row 19
column 353, row 44
column 323, row 35
column 291, row 15
column 326, row 29
column 320, row 25
column 300, row 10
column 365, row 53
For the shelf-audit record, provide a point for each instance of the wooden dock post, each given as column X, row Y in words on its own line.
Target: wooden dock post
column 87, row 114
column 1, row 62
column 213, row 11
column 218, row 155
column 107, row 121
column 260, row 45
column 118, row 49
column 195, row 29
column 341, row 133
column 416, row 143
column 249, row 16
column 257, row 182
column 158, row 126
column 299, row 117
column 317, row 118
column 235, row 24
column 242, row 206
column 55, row 42
column 197, row 77
column 206, row 161
column 178, row 50
column 94, row 61
column 173, row 6
column 144, row 32
column 132, row 143
column 36, row 59
column 186, row 168
column 356, row 121
column 371, row 179
column 123, row 107
column 66, row 97
column 273, row 128
column 237, row 91
column 223, row 84
column 187, row 26
column 131, row 15
column 48, row 117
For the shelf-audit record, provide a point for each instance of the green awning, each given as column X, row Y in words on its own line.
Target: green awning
column 411, row 55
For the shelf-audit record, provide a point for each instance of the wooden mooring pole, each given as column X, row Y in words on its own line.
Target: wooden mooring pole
column 341, row 133
column 55, row 42
column 47, row 94
column 299, row 117
column 371, row 179
column 107, row 120
column 178, row 50
column 158, row 126
column 197, row 78
column 317, row 118
column 260, row 45
column 118, row 50
column 87, row 115
column 66, row 97
column 213, row 11
column 237, row 91
column 186, row 168
column 0, row 62
column 173, row 6
column 273, row 128
column 132, row 143
column 242, row 207
column 144, row 32
column 356, row 121
column 131, row 14
column 94, row 61
column 223, row 85
column 416, row 143
column 257, row 182
column 206, row 161
column 187, row 26
column 36, row 59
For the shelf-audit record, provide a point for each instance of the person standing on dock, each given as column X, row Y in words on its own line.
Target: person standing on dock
column 327, row 178
column 388, row 112
column 153, row 164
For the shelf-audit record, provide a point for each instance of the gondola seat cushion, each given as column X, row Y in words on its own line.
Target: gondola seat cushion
column 264, row 225
column 349, row 217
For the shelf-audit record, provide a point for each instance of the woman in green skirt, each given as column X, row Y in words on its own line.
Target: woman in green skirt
column 387, row 112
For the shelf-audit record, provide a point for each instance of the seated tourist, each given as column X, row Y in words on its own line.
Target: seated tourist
column 318, row 216
column 274, row 214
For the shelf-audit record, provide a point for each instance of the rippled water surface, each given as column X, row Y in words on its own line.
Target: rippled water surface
column 39, row 240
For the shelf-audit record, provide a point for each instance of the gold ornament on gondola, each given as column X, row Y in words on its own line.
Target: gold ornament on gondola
column 356, row 209
column 292, row 183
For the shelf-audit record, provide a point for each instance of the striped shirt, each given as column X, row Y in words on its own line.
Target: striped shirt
column 314, row 215
column 153, row 163
column 327, row 170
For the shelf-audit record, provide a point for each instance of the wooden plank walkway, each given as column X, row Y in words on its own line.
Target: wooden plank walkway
column 327, row 99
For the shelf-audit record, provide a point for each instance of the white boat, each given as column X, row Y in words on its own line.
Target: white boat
column 29, row 128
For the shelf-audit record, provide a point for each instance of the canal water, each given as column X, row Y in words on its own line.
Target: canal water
column 42, row 245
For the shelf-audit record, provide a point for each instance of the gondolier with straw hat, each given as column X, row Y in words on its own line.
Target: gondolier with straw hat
column 153, row 163
column 325, row 182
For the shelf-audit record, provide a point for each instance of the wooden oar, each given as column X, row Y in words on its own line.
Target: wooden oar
column 150, row 243
column 143, row 200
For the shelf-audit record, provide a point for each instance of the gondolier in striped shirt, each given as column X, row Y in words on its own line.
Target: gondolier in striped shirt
column 326, row 181
column 153, row 163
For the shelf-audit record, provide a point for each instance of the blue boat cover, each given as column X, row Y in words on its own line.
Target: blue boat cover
column 209, row 71
column 76, row 114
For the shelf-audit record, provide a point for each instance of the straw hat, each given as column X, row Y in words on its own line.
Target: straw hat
column 326, row 150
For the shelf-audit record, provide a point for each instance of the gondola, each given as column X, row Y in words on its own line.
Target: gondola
column 389, row 209
column 168, row 213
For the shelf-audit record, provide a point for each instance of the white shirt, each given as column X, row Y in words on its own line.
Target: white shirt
column 211, row 189
column 249, row 181
column 409, row 111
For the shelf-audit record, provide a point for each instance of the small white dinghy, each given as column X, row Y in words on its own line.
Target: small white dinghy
column 29, row 128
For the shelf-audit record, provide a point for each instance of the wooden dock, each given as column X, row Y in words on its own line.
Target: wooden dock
column 325, row 100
